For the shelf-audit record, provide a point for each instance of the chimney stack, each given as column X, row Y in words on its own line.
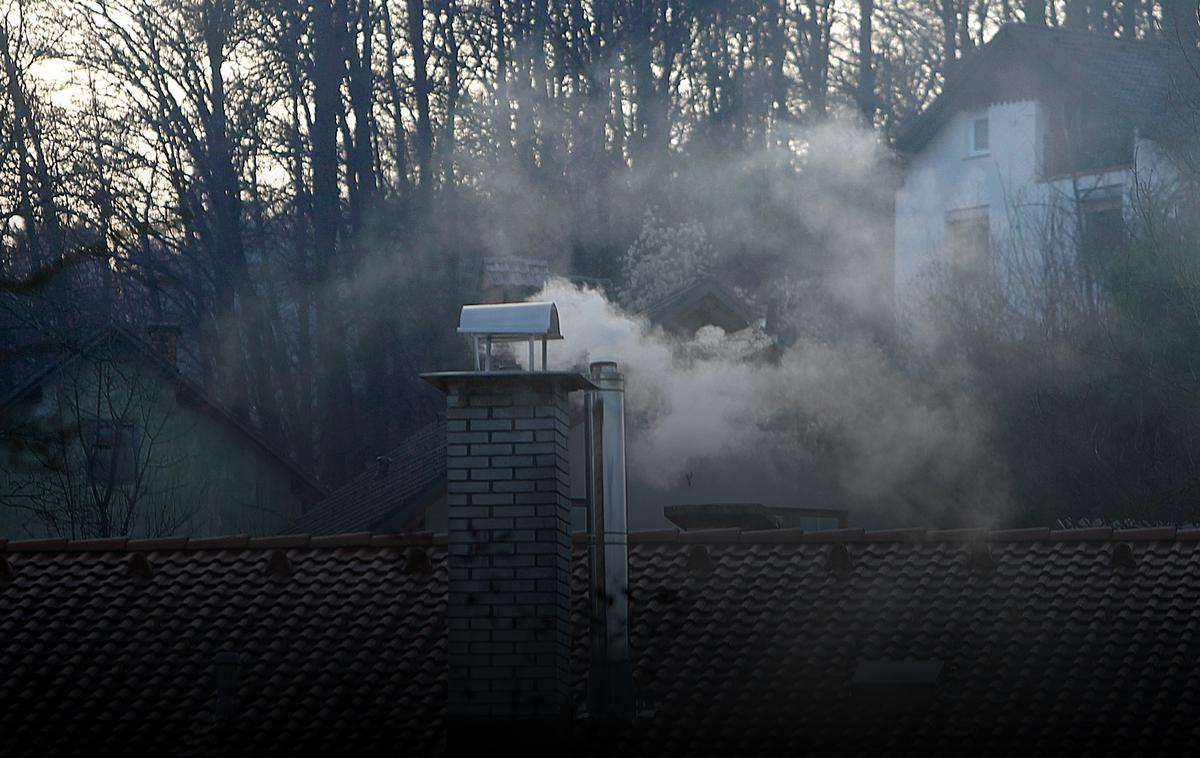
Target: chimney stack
column 164, row 338
column 610, row 682
column 508, row 503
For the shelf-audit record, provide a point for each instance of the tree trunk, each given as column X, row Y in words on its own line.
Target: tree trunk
column 1035, row 12
column 334, row 393
column 866, row 64
column 421, row 90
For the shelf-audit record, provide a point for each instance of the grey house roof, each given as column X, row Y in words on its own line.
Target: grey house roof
column 1147, row 83
column 385, row 497
column 701, row 302
column 62, row 355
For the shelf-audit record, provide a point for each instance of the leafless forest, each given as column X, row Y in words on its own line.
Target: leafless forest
column 306, row 188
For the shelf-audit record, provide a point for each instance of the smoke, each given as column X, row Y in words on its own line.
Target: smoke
column 820, row 406
column 826, row 424
column 824, row 407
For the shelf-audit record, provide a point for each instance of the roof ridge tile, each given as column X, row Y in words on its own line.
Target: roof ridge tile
column 279, row 541
column 775, row 536
column 98, row 544
column 968, row 534
column 157, row 543
column 1087, row 534
column 833, row 535
column 912, row 534
column 40, row 545
column 350, row 539
column 218, row 543
column 398, row 539
column 1146, row 534
column 710, row 536
column 654, row 535
column 1031, row 534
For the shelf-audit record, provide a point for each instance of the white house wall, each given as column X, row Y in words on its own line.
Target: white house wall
column 943, row 178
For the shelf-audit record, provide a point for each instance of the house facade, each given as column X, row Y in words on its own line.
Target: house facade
column 108, row 438
column 1043, row 143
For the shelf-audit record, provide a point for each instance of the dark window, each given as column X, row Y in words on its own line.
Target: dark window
column 969, row 237
column 111, row 452
column 1103, row 226
column 1080, row 140
column 979, row 135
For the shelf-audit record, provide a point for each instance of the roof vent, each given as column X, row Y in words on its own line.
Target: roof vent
column 6, row 572
column 839, row 561
column 416, row 561
column 509, row 322
column 1123, row 560
column 382, row 464
column 699, row 562
column 138, row 566
column 279, row 566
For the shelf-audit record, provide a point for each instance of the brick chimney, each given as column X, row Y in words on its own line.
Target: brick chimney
column 509, row 549
column 164, row 339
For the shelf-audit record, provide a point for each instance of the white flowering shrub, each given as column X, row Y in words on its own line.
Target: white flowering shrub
column 661, row 260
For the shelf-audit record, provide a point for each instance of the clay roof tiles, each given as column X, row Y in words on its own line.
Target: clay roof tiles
column 1032, row 641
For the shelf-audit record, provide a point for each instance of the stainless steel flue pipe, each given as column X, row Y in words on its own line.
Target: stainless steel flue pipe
column 610, row 685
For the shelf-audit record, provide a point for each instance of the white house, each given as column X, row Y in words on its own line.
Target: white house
column 1040, row 138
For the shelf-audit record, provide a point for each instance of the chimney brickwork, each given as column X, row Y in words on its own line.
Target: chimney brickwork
column 509, row 545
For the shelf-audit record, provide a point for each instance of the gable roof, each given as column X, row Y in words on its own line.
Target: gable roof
column 962, row 642
column 66, row 355
column 395, row 500
column 699, row 303
column 1138, row 80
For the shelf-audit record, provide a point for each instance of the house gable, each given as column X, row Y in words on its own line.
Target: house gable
column 112, row 432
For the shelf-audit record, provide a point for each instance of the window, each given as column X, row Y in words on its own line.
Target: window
column 968, row 235
column 979, row 141
column 1103, row 226
column 1080, row 139
column 111, row 452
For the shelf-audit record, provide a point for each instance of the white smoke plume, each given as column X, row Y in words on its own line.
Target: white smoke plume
column 826, row 425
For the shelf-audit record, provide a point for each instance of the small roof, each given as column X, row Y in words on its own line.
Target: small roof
column 511, row 320
column 1139, row 81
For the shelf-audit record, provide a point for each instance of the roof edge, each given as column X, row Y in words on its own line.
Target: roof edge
column 656, row 536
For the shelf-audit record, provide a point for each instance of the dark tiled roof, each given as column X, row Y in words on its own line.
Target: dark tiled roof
column 694, row 304
column 1137, row 80
column 958, row 642
column 369, row 501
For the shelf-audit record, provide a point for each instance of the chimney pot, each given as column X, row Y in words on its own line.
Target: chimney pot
column 610, row 683
column 164, row 338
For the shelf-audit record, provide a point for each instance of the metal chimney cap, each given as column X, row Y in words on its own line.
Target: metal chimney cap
column 511, row 321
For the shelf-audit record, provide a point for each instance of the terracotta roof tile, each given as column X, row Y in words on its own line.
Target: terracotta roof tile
column 1019, row 535
column 792, row 534
column 661, row 535
column 355, row 539
column 158, row 543
column 696, row 536
column 218, row 543
column 895, row 535
column 740, row 646
column 280, row 541
column 110, row 543
column 834, row 535
column 39, row 545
